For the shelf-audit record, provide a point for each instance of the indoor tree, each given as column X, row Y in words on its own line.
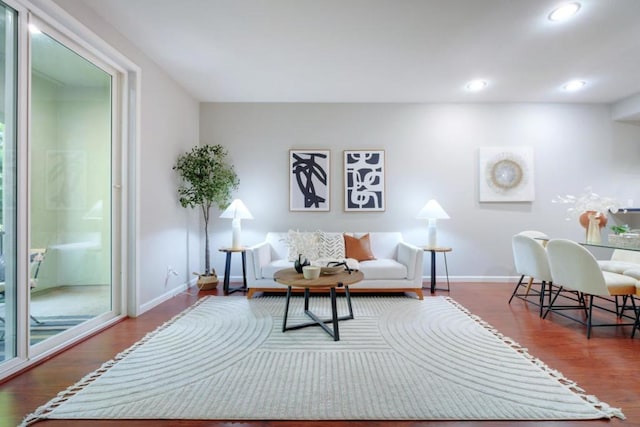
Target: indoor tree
column 208, row 179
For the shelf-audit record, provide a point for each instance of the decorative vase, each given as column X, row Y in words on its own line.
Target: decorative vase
column 299, row 263
column 593, row 221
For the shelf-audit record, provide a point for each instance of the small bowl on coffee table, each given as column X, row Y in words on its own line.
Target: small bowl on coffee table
column 331, row 270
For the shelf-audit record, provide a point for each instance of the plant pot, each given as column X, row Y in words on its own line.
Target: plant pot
column 206, row 283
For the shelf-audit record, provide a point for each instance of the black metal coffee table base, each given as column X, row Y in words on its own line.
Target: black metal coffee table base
column 334, row 331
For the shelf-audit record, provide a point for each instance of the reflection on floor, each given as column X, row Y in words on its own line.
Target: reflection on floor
column 57, row 309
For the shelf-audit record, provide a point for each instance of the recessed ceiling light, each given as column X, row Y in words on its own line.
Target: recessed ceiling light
column 574, row 85
column 564, row 12
column 476, row 85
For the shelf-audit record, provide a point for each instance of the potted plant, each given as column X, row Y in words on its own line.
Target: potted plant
column 620, row 229
column 208, row 179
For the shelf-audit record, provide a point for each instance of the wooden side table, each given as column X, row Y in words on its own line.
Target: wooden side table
column 433, row 251
column 227, row 269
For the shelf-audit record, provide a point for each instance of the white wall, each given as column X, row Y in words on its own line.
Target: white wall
column 169, row 126
column 432, row 152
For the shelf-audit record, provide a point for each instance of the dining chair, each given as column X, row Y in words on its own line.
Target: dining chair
column 36, row 256
column 620, row 261
column 574, row 267
column 530, row 260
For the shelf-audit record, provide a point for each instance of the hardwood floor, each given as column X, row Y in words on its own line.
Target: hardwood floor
column 605, row 366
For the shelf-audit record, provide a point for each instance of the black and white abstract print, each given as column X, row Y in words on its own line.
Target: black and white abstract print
column 309, row 176
column 364, row 180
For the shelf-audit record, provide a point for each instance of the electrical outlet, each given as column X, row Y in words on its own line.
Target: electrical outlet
column 171, row 271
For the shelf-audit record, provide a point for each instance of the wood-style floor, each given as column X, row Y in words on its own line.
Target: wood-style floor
column 605, row 366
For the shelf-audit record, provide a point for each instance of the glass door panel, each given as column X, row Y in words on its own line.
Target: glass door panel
column 8, row 105
column 70, row 189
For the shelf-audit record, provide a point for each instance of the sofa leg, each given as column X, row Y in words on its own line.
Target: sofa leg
column 250, row 293
column 419, row 294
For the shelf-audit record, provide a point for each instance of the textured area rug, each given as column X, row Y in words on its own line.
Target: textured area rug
column 399, row 359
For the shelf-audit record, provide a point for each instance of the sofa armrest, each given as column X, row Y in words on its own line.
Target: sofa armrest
column 258, row 256
column 412, row 257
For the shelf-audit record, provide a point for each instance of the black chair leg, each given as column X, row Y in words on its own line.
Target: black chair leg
column 543, row 286
column 637, row 312
column 552, row 301
column 582, row 302
column 589, row 318
column 620, row 308
column 515, row 290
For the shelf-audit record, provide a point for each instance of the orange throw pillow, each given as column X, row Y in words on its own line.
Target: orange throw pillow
column 359, row 249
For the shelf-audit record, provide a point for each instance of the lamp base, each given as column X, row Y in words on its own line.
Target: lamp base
column 432, row 240
column 235, row 233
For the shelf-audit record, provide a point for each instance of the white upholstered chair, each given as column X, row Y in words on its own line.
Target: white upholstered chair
column 530, row 260
column 621, row 261
column 574, row 267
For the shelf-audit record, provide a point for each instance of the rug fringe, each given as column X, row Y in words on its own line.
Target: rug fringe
column 42, row 412
column 603, row 407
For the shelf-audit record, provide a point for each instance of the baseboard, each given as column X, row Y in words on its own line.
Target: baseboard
column 166, row 296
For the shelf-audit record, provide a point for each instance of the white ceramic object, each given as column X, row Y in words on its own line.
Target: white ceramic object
column 311, row 272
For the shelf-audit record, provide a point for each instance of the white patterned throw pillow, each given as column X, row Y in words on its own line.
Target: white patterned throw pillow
column 331, row 245
column 305, row 243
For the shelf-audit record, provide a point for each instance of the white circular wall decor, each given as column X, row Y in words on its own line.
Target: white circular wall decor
column 506, row 174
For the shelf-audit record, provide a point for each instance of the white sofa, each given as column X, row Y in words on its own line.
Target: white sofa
column 397, row 267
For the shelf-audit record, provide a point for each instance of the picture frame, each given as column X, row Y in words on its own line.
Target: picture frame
column 309, row 180
column 506, row 174
column 364, row 181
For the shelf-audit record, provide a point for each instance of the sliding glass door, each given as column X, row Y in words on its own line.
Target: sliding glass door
column 70, row 178
column 63, row 112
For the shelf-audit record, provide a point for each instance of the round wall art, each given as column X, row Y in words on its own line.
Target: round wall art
column 506, row 174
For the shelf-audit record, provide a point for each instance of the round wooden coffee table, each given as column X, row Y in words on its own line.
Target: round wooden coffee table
column 292, row 279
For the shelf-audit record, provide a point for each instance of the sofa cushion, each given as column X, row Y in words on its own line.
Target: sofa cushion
column 358, row 248
column 303, row 243
column 383, row 269
column 269, row 270
column 331, row 245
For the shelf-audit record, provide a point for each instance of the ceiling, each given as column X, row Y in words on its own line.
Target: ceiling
column 385, row 50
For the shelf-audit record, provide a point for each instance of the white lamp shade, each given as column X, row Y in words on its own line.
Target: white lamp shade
column 237, row 210
column 432, row 210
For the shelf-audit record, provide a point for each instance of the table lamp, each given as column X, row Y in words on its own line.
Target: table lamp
column 432, row 211
column 236, row 211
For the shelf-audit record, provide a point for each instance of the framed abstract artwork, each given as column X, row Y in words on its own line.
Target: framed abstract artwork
column 506, row 174
column 309, row 179
column 364, row 183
